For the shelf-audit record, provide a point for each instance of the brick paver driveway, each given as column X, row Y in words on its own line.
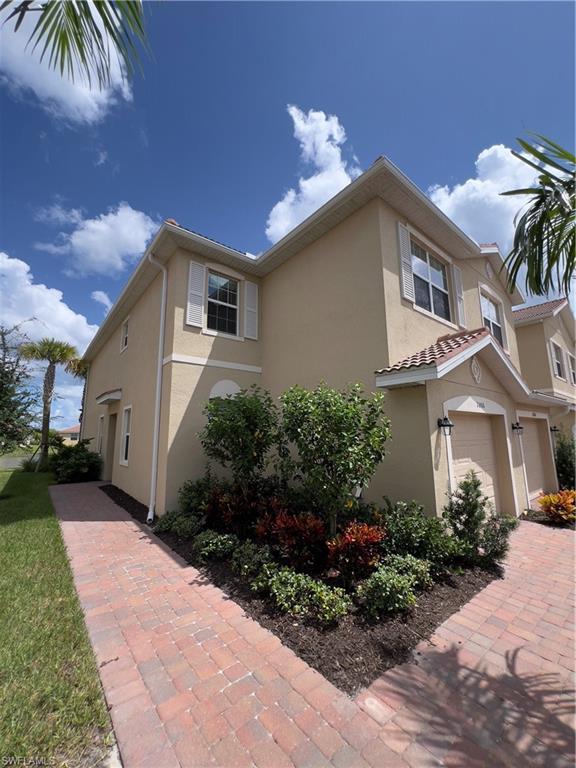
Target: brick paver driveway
column 192, row 681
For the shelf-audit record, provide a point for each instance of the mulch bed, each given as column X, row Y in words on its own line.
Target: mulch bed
column 357, row 651
column 539, row 517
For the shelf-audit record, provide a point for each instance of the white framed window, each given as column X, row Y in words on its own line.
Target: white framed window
column 124, row 336
column 431, row 289
column 126, row 434
column 558, row 361
column 222, row 305
column 572, row 361
column 100, row 435
column 492, row 317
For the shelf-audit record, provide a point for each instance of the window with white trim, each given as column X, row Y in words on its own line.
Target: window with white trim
column 557, row 361
column 572, row 360
column 124, row 336
column 126, row 432
column 492, row 317
column 431, row 291
column 222, row 309
column 100, row 435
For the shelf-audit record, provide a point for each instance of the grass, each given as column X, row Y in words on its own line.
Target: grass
column 51, row 703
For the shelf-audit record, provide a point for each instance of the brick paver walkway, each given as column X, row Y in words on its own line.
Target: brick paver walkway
column 191, row 681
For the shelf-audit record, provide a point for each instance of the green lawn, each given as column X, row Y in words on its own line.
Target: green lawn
column 51, row 702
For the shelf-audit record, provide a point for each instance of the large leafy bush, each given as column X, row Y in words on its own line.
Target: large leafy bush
column 386, row 591
column 408, row 565
column 565, row 451
column 481, row 536
column 559, row 507
column 356, row 551
column 240, row 431
column 76, row 464
column 340, row 437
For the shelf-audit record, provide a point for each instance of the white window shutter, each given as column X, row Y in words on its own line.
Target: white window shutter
column 406, row 276
column 195, row 308
column 459, row 291
column 250, row 310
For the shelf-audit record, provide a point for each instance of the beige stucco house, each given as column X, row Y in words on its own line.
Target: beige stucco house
column 377, row 286
column 547, row 348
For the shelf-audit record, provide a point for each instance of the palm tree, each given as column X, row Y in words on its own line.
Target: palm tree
column 54, row 353
column 544, row 241
column 78, row 37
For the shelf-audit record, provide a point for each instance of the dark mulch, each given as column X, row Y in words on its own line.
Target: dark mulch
column 534, row 516
column 357, row 651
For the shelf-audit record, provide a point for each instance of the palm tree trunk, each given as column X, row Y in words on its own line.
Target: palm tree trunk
column 48, row 394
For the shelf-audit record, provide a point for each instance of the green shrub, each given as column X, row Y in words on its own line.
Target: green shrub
column 410, row 532
column 340, row 437
column 211, row 545
column 29, row 464
column 240, row 431
column 301, row 595
column 408, row 565
column 194, row 495
column 249, row 558
column 481, row 537
column 186, row 527
column 565, row 452
column 261, row 582
column 386, row 591
column 76, row 464
column 165, row 523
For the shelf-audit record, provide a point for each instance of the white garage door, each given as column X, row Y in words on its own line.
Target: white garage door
column 473, row 448
column 532, row 445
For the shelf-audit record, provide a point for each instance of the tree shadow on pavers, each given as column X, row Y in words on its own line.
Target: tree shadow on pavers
column 475, row 717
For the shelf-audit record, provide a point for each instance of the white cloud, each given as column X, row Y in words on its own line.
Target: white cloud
column 57, row 214
column 476, row 205
column 102, row 298
column 43, row 312
column 101, row 157
column 321, row 138
column 74, row 102
column 23, row 299
column 106, row 244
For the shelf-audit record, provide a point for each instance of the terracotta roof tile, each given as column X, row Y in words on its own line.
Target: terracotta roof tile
column 69, row 430
column 538, row 311
column 444, row 348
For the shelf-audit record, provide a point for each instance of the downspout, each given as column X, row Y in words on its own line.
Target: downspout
column 158, row 402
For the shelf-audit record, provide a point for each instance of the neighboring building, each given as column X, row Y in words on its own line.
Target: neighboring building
column 378, row 279
column 547, row 347
column 70, row 435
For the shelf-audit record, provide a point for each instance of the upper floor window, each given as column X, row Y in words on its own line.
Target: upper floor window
column 572, row 360
column 492, row 318
column 557, row 361
column 430, row 282
column 124, row 336
column 222, row 312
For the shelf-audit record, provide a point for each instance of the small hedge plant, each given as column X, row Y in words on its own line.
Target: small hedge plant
column 76, row 464
column 301, row 595
column 559, row 507
column 408, row 565
column 249, row 558
column 211, row 545
column 386, row 591
column 482, row 537
column 356, row 551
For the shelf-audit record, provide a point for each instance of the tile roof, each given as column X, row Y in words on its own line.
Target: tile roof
column 69, row 430
column 538, row 311
column 443, row 349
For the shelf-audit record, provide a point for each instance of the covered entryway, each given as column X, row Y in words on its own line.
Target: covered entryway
column 533, row 457
column 473, row 448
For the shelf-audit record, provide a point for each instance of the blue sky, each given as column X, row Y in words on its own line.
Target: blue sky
column 205, row 136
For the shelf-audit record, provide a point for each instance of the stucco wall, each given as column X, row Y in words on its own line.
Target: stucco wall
column 555, row 330
column 534, row 356
column 132, row 371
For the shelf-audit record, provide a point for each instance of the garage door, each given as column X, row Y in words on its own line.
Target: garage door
column 532, row 445
column 473, row 448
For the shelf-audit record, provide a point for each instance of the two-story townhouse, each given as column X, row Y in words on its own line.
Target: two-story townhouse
column 547, row 348
column 377, row 286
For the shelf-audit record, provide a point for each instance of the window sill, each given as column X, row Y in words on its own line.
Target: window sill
column 438, row 319
column 123, row 349
column 122, row 463
column 221, row 334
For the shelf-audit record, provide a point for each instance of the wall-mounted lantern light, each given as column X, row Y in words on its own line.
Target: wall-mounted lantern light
column 518, row 428
column 446, row 426
column 554, row 430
